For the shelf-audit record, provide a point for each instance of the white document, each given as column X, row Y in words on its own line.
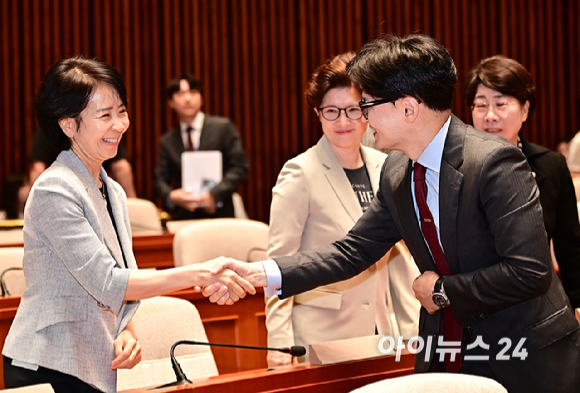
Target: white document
column 200, row 171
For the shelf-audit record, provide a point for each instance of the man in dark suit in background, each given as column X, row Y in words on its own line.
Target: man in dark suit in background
column 198, row 131
column 472, row 220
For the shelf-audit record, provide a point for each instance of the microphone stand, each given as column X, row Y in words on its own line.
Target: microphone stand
column 3, row 287
column 180, row 375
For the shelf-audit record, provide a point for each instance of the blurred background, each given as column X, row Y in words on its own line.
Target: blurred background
column 254, row 58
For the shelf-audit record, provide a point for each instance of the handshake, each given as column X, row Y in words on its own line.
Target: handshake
column 225, row 280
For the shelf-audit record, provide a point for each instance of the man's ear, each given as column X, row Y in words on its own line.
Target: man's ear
column 412, row 108
column 68, row 126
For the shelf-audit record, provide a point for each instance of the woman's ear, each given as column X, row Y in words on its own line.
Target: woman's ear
column 525, row 111
column 68, row 126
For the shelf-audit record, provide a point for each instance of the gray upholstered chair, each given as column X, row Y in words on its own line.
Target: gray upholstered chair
column 229, row 237
column 434, row 383
column 159, row 323
column 12, row 279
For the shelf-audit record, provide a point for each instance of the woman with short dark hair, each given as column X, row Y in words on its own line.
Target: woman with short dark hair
column 502, row 97
column 73, row 326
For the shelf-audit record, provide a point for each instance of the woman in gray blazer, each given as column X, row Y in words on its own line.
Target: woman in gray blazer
column 318, row 197
column 73, row 326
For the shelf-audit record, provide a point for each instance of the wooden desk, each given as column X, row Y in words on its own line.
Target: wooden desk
column 151, row 251
column 303, row 378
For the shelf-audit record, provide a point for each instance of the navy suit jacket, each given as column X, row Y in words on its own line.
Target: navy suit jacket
column 218, row 133
column 492, row 231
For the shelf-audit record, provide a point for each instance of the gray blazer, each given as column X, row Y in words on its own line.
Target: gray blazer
column 73, row 309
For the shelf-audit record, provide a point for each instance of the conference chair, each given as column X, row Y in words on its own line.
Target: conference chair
column 577, row 188
column 239, row 209
column 43, row 388
column 159, row 323
column 229, row 237
column 12, row 236
column 12, row 282
column 144, row 217
column 434, row 383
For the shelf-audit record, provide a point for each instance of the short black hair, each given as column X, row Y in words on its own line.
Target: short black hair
column 66, row 91
column 173, row 85
column 392, row 67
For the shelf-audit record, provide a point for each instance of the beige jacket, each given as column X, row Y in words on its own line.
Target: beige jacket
column 313, row 204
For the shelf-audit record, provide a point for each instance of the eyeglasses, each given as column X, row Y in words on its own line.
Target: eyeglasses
column 498, row 107
column 365, row 106
column 331, row 113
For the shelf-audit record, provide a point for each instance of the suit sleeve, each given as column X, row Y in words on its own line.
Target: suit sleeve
column 519, row 264
column 235, row 163
column 367, row 242
column 288, row 216
column 566, row 235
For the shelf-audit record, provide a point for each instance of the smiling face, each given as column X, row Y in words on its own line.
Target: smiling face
column 342, row 133
column 503, row 115
column 101, row 127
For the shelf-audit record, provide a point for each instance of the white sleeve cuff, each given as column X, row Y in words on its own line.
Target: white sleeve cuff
column 274, row 277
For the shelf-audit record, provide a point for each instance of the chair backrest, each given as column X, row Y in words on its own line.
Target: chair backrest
column 11, row 257
column 229, row 237
column 577, row 188
column 159, row 323
column 11, row 236
column 239, row 209
column 143, row 216
column 43, row 388
column 434, row 383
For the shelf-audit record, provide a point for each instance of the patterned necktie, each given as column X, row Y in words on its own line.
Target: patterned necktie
column 189, row 131
column 452, row 329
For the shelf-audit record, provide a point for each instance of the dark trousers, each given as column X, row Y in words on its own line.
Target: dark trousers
column 15, row 377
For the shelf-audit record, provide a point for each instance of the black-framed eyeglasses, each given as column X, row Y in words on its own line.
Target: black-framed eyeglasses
column 331, row 113
column 365, row 106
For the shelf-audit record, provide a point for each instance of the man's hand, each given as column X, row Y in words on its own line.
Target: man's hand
column 276, row 359
column 183, row 198
column 423, row 287
column 224, row 286
column 207, row 202
column 253, row 273
column 127, row 349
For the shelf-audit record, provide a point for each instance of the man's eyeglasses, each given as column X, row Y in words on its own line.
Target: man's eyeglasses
column 498, row 107
column 365, row 106
column 331, row 113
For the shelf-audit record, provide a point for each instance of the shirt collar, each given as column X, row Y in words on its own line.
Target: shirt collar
column 433, row 154
column 196, row 124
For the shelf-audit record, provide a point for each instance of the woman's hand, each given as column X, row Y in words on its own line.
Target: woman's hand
column 127, row 349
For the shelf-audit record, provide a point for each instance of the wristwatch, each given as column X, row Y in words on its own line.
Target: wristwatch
column 439, row 296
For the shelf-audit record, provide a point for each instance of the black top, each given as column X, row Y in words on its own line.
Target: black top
column 559, row 205
column 361, row 184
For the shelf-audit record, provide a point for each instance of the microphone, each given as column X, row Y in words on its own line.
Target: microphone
column 3, row 288
column 295, row 350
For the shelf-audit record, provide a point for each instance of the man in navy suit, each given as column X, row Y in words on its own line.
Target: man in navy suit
column 198, row 131
column 482, row 250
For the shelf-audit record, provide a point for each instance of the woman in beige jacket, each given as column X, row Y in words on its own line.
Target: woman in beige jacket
column 318, row 197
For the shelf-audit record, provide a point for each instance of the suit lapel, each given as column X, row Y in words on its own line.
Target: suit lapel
column 337, row 179
column 112, row 242
column 450, row 182
column 99, row 204
column 373, row 168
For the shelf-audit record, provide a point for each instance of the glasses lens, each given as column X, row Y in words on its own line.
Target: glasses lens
column 330, row 113
column 353, row 112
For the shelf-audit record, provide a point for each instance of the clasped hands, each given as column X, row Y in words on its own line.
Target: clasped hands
column 225, row 280
column 183, row 198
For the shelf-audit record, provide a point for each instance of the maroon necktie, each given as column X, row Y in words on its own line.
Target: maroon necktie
column 452, row 329
column 189, row 130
